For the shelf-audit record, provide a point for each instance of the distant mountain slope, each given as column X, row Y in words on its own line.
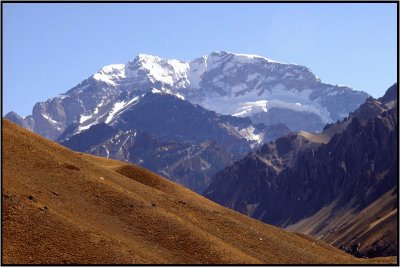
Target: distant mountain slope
column 95, row 135
column 227, row 83
column 63, row 207
column 189, row 164
column 315, row 183
column 173, row 137
column 171, row 118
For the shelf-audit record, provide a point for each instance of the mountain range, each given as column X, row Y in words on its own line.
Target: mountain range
column 191, row 118
column 264, row 138
column 65, row 207
column 340, row 185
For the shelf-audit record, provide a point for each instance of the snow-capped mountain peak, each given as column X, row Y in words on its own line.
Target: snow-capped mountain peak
column 111, row 74
column 148, row 68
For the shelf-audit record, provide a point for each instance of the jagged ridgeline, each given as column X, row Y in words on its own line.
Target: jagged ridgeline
column 340, row 185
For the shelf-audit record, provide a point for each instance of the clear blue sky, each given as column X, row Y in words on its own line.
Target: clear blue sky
column 49, row 48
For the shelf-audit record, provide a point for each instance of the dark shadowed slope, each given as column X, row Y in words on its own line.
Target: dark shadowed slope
column 65, row 207
column 340, row 185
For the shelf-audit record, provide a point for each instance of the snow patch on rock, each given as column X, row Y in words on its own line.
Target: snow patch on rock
column 250, row 108
column 119, row 106
column 249, row 134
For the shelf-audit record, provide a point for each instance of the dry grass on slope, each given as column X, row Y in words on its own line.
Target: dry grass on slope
column 376, row 225
column 65, row 207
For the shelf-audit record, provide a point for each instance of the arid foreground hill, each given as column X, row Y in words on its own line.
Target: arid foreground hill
column 65, row 207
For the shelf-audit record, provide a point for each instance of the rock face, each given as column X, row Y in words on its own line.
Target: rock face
column 318, row 183
column 95, row 135
column 27, row 123
column 173, row 137
column 227, row 83
column 189, row 164
column 171, row 118
column 295, row 120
